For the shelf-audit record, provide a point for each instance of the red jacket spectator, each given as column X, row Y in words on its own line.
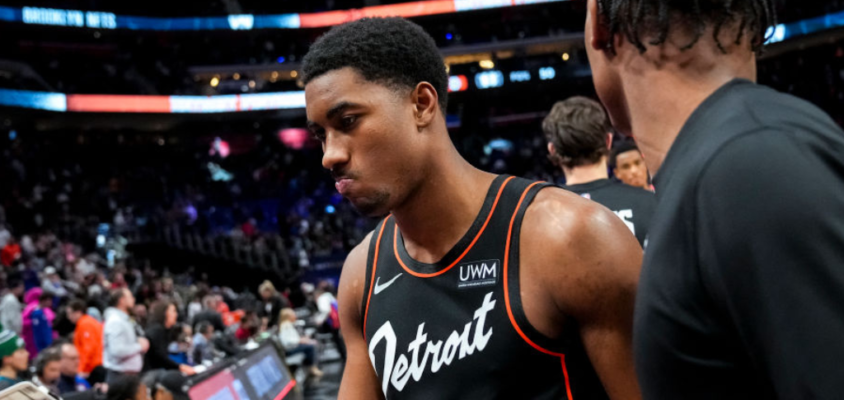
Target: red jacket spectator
column 88, row 339
column 10, row 253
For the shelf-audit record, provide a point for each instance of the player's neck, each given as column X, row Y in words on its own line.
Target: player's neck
column 586, row 173
column 661, row 96
column 437, row 215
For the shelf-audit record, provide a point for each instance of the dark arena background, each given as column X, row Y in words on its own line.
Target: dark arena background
column 162, row 147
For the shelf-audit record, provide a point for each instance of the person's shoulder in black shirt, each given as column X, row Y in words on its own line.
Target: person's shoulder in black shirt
column 742, row 288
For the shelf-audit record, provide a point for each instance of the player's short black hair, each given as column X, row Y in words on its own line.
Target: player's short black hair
column 621, row 147
column 654, row 18
column 393, row 51
column 577, row 128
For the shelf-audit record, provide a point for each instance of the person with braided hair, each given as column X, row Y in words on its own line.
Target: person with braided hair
column 742, row 288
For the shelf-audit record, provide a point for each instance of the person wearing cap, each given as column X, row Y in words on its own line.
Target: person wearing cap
column 15, row 359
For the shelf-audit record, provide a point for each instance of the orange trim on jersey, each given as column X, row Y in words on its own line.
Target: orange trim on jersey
column 506, row 275
column 566, row 374
column 478, row 236
column 372, row 279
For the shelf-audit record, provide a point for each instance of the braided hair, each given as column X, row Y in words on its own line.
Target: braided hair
column 637, row 18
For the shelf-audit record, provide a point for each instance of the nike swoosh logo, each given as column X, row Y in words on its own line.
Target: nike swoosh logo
column 380, row 288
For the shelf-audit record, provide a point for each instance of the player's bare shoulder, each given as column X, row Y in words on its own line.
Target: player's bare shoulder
column 577, row 248
column 560, row 219
column 353, row 275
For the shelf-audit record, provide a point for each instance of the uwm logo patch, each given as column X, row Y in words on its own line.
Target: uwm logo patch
column 478, row 274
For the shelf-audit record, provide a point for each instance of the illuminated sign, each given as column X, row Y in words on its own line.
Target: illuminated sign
column 489, row 79
column 547, row 73
column 242, row 22
column 457, row 83
column 520, row 76
column 106, row 20
column 52, row 16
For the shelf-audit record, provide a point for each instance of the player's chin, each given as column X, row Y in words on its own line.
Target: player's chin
column 372, row 207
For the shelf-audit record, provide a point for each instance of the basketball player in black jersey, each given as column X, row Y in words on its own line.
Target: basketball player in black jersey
column 742, row 287
column 579, row 137
column 472, row 286
column 628, row 165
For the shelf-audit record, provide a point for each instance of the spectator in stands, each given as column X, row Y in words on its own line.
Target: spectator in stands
column 210, row 314
column 163, row 317
column 168, row 290
column 48, row 370
column 327, row 318
column 32, row 303
column 70, row 380
column 294, row 343
column 127, row 387
column 194, row 307
column 15, row 358
column 140, row 314
column 628, row 165
column 10, row 253
column 272, row 303
column 170, row 385
column 53, row 285
column 203, row 346
column 11, row 308
column 88, row 337
column 249, row 326
column 42, row 326
column 123, row 351
column 181, row 350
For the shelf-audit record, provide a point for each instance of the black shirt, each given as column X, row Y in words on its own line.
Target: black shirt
column 212, row 317
column 742, row 289
column 158, row 356
column 633, row 205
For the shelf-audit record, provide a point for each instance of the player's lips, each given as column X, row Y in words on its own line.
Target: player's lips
column 343, row 185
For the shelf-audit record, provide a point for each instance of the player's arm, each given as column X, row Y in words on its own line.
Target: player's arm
column 359, row 379
column 772, row 257
column 591, row 276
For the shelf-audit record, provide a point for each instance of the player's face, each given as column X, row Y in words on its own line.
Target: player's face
column 630, row 169
column 604, row 69
column 369, row 137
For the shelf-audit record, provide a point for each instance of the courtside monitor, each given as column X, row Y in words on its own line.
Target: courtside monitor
column 260, row 375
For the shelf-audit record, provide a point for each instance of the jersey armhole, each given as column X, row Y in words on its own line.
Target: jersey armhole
column 513, row 301
column 371, row 267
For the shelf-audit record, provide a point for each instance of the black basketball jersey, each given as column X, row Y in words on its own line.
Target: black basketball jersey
column 456, row 329
column 635, row 206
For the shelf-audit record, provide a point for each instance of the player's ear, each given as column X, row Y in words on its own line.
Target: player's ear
column 426, row 104
column 597, row 32
column 609, row 141
column 551, row 149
